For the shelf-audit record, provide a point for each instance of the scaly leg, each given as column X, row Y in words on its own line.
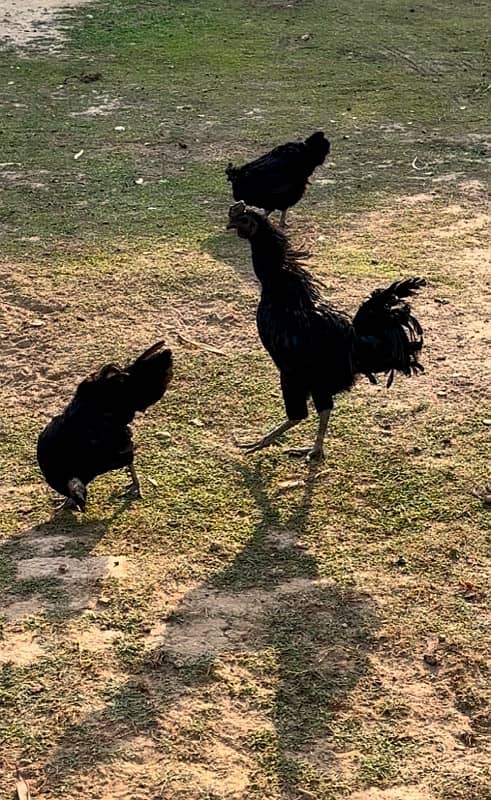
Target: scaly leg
column 317, row 451
column 269, row 438
column 134, row 489
column 283, row 219
column 318, row 448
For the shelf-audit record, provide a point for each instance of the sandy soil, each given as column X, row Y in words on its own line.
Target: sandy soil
column 32, row 22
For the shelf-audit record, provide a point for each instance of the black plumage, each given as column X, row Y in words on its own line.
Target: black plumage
column 278, row 179
column 92, row 436
column 318, row 349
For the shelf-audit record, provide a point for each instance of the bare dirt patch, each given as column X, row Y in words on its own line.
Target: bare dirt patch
column 19, row 648
column 19, row 610
column 208, row 622
column 283, row 540
column 43, row 546
column 93, row 568
column 396, row 793
column 449, row 246
column 44, row 317
column 34, row 22
column 101, row 105
column 49, row 342
column 465, row 226
column 94, row 638
column 230, row 777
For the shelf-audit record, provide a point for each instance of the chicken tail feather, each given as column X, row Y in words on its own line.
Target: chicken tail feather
column 150, row 375
column 390, row 337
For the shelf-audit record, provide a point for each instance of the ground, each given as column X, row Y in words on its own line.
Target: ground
column 252, row 628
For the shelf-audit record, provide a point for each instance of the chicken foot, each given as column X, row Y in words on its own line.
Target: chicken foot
column 269, row 438
column 134, row 489
column 317, row 451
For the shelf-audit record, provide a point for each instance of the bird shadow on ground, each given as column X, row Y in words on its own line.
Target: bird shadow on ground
column 229, row 249
column 269, row 599
column 46, row 559
column 226, row 247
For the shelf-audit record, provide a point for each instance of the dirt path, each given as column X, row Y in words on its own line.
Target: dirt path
column 26, row 23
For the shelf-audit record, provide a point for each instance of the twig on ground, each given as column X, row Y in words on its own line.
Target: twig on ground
column 200, row 345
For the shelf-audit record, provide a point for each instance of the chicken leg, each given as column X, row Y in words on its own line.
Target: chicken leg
column 269, row 438
column 317, row 451
column 283, row 218
column 134, row 489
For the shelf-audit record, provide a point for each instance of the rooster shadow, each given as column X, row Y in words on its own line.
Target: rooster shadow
column 43, row 560
column 321, row 633
column 227, row 248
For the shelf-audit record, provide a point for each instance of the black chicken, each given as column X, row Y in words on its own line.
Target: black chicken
column 93, row 436
column 318, row 349
column 278, row 179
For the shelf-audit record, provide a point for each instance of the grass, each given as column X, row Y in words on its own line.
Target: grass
column 203, row 71
column 269, row 637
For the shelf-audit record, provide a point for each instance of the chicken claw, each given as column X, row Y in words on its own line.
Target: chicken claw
column 310, row 453
column 269, row 438
column 133, row 491
column 251, row 447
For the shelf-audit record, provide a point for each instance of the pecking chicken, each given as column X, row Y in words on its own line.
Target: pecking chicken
column 92, row 436
column 278, row 179
column 318, row 349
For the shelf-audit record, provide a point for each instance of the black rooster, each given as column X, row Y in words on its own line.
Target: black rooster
column 278, row 179
column 92, row 436
column 318, row 349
